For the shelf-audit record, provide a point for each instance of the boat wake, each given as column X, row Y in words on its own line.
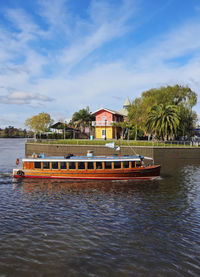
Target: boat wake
column 5, row 174
column 159, row 178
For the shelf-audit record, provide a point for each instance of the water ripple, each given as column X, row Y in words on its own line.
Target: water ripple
column 103, row 228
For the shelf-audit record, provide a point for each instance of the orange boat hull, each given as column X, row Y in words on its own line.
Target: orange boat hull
column 149, row 172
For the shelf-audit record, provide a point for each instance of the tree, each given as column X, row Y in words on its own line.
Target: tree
column 137, row 115
column 122, row 126
column 82, row 119
column 9, row 131
column 163, row 120
column 39, row 123
column 183, row 97
column 188, row 120
column 171, row 95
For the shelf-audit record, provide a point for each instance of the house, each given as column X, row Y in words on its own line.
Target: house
column 64, row 129
column 107, row 124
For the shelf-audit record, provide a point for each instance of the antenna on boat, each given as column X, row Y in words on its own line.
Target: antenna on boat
column 132, row 149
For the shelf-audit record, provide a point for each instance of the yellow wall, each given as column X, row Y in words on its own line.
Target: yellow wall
column 109, row 132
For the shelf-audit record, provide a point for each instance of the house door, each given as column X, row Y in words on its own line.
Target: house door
column 103, row 134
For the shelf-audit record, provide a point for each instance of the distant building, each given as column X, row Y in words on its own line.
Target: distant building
column 106, row 124
column 63, row 128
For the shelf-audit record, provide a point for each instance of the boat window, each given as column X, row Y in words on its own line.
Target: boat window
column 81, row 165
column 138, row 164
column 99, row 165
column 126, row 164
column 72, row 165
column 63, row 165
column 37, row 164
column 54, row 165
column 117, row 164
column 132, row 164
column 46, row 165
column 108, row 165
column 90, row 165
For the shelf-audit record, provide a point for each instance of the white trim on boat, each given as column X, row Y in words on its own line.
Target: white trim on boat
column 80, row 160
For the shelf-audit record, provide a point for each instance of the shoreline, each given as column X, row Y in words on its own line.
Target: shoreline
column 160, row 154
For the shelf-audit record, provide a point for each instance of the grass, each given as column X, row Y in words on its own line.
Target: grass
column 117, row 142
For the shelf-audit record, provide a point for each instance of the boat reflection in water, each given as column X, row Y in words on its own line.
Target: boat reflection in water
column 57, row 187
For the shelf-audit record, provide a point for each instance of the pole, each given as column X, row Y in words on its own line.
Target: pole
column 64, row 130
column 105, row 129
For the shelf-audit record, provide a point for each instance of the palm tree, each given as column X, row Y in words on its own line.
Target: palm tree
column 163, row 120
column 82, row 119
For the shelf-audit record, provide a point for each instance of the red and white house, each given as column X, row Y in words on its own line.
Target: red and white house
column 106, row 124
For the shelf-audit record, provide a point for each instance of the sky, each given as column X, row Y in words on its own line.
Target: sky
column 59, row 56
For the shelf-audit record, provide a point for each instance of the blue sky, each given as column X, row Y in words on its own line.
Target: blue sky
column 59, row 56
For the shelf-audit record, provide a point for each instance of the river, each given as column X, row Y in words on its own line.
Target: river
column 71, row 228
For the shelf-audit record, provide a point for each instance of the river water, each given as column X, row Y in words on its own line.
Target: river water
column 65, row 228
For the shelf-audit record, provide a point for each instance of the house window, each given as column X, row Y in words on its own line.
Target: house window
column 104, row 118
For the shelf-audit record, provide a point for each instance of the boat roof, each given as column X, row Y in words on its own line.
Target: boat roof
column 86, row 158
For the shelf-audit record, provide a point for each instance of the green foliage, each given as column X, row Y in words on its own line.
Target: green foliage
column 188, row 120
column 182, row 97
column 12, row 132
column 136, row 113
column 163, row 120
column 136, row 134
column 81, row 119
column 56, row 136
column 176, row 95
column 39, row 123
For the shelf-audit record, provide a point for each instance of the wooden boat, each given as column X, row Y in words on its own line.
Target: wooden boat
column 87, row 167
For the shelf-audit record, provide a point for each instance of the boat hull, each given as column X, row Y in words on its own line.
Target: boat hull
column 144, row 173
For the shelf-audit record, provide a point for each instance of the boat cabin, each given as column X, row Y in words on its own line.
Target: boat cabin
column 87, row 167
column 79, row 165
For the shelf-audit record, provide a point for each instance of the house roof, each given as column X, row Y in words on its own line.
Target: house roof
column 124, row 111
column 59, row 125
column 108, row 110
column 127, row 102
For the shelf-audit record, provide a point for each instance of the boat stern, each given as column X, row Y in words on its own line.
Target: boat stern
column 18, row 173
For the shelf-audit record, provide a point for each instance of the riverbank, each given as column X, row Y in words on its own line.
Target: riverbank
column 161, row 154
column 116, row 142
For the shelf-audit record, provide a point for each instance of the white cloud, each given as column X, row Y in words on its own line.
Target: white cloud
column 38, row 59
column 55, row 12
column 23, row 98
column 180, row 42
column 22, row 23
column 107, row 22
